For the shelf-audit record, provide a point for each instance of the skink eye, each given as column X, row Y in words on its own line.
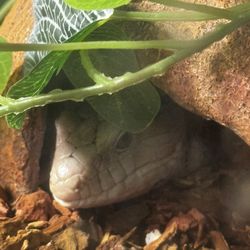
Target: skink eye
column 123, row 141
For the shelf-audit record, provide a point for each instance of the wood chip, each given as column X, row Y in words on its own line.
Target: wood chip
column 32, row 238
column 57, row 223
column 169, row 232
column 36, row 206
column 71, row 238
column 62, row 210
column 219, row 241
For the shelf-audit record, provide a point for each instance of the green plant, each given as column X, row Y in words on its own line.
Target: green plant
column 112, row 102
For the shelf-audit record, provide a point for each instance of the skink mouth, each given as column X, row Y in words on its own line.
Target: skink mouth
column 65, row 180
column 69, row 178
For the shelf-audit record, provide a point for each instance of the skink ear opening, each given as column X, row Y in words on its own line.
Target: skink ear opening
column 106, row 136
column 123, row 141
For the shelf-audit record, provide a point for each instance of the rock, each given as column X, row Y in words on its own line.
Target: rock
column 20, row 149
column 4, row 206
column 214, row 83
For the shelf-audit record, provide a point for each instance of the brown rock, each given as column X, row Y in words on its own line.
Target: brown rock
column 4, row 207
column 16, row 28
column 216, row 82
column 20, row 149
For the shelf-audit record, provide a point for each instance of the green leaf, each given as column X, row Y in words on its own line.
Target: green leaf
column 51, row 26
column 33, row 83
column 96, row 4
column 5, row 67
column 131, row 109
column 56, row 22
column 16, row 120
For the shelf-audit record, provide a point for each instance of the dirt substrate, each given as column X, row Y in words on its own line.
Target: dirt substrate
column 208, row 210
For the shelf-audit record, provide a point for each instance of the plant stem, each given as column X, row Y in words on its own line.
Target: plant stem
column 218, row 12
column 161, row 16
column 150, row 44
column 93, row 73
column 128, row 79
column 6, row 100
column 5, row 9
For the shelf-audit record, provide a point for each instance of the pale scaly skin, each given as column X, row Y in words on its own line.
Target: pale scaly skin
column 96, row 164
